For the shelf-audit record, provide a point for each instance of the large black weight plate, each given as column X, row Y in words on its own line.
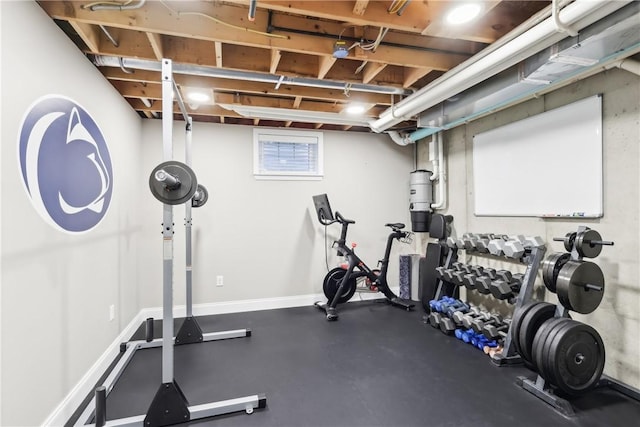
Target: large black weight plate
column 583, row 245
column 551, row 267
column 177, row 196
column 538, row 345
column 529, row 325
column 577, row 358
column 571, row 290
column 514, row 329
column 569, row 240
column 204, row 196
column 332, row 282
column 547, row 361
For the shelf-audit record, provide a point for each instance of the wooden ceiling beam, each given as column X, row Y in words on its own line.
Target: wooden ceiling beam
column 360, row 7
column 414, row 19
column 296, row 102
column 90, row 35
column 203, row 110
column 153, row 92
column 324, row 65
column 412, row 75
column 218, row 46
column 140, row 76
column 154, row 17
column 275, row 60
column 478, row 30
column 156, row 44
column 371, row 70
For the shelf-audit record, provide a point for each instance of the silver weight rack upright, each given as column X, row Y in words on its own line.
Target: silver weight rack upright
column 169, row 406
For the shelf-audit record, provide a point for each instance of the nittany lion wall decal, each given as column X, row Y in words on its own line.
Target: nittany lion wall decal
column 65, row 164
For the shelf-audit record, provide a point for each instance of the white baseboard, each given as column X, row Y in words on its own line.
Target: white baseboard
column 74, row 399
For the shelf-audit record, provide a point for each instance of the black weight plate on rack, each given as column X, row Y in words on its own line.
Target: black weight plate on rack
column 569, row 240
column 551, row 267
column 179, row 195
column 547, row 363
column 578, row 358
column 204, row 196
column 584, row 248
column 530, row 324
column 570, row 286
column 537, row 347
column 514, row 330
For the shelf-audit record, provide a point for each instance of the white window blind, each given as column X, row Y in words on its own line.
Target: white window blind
column 282, row 154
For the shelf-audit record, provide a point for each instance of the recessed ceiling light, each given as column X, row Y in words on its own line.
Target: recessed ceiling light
column 463, row 13
column 198, row 97
column 355, row 109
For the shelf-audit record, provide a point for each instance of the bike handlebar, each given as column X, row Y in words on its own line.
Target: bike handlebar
column 343, row 220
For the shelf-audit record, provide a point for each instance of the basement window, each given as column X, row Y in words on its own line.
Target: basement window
column 287, row 154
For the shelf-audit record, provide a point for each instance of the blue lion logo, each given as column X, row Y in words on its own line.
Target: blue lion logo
column 65, row 164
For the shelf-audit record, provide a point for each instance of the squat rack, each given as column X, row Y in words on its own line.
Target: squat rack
column 169, row 406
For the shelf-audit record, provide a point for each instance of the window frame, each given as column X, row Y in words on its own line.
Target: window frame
column 289, row 136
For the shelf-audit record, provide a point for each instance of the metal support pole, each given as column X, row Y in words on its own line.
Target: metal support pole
column 188, row 220
column 167, row 228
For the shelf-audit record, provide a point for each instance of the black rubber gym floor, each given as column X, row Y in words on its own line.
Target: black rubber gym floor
column 376, row 366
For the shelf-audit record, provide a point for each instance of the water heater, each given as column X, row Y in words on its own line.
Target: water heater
column 420, row 199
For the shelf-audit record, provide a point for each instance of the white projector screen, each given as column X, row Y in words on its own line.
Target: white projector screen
column 548, row 165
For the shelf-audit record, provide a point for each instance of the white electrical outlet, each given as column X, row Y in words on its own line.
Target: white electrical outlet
column 112, row 312
column 219, row 280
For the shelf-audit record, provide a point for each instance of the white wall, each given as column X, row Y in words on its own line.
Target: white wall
column 57, row 288
column 617, row 318
column 263, row 236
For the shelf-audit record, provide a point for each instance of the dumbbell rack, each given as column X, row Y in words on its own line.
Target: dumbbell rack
column 539, row 387
column 532, row 258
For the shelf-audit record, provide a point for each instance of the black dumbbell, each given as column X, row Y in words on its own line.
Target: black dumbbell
column 470, row 317
column 457, row 277
column 434, row 319
column 478, row 324
column 494, row 332
column 457, row 265
column 451, row 309
column 502, row 289
column 483, row 282
column 447, row 325
column 504, row 275
column 469, row 280
column 459, row 315
column 447, row 275
column 440, row 272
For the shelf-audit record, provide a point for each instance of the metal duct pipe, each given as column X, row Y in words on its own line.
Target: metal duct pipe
column 107, row 6
column 442, row 175
column 398, row 138
column 630, row 65
column 205, row 71
column 579, row 14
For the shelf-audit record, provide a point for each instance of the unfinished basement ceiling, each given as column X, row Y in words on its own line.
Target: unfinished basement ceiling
column 393, row 48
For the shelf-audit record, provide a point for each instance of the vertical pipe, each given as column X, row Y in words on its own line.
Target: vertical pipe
column 252, row 10
column 167, row 228
column 187, row 224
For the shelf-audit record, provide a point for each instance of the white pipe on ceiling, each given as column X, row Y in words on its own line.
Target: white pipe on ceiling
column 578, row 15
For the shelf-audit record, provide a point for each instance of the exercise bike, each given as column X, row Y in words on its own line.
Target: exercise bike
column 340, row 284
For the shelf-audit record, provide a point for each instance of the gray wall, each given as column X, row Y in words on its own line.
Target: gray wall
column 56, row 287
column 617, row 317
column 263, row 236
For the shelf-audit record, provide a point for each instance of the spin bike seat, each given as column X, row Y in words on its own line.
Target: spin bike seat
column 396, row 226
